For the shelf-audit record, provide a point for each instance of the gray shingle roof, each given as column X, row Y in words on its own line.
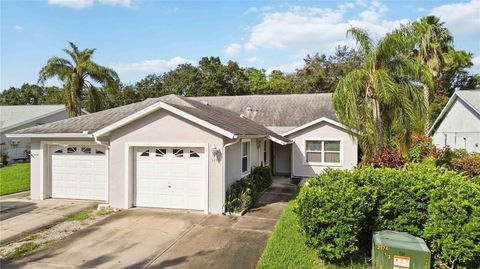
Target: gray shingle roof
column 472, row 97
column 288, row 110
column 220, row 117
column 11, row 116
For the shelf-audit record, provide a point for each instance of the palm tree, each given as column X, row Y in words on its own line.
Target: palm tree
column 434, row 42
column 380, row 99
column 74, row 75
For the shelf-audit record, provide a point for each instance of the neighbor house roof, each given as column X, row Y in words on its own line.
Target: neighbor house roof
column 286, row 110
column 104, row 121
column 471, row 98
column 15, row 116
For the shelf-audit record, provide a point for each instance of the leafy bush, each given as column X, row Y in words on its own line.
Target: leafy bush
column 447, row 155
column 262, row 177
column 243, row 193
column 331, row 222
column 469, row 165
column 453, row 227
column 339, row 210
column 422, row 147
column 387, row 158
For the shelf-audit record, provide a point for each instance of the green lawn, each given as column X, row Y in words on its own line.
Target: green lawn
column 14, row 178
column 286, row 248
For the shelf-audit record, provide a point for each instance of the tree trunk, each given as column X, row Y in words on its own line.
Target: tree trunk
column 426, row 97
column 377, row 117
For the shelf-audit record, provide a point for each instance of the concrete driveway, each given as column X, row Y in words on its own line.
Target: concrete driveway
column 155, row 238
column 20, row 215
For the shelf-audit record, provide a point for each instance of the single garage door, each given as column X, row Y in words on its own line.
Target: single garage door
column 170, row 177
column 79, row 172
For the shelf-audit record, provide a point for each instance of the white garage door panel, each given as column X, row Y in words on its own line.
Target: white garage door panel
column 168, row 178
column 78, row 175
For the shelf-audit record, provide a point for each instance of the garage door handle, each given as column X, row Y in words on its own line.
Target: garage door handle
column 169, row 186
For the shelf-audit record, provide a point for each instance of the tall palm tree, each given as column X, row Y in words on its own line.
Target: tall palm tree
column 433, row 44
column 75, row 73
column 381, row 99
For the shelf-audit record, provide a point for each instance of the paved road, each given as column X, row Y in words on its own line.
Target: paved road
column 154, row 238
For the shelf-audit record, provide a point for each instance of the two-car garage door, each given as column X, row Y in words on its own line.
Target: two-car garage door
column 170, row 177
column 167, row 177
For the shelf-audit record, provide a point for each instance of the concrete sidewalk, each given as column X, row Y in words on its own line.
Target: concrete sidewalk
column 20, row 216
column 160, row 238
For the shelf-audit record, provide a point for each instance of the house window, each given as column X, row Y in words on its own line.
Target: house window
column 245, row 157
column 265, row 144
column 322, row 152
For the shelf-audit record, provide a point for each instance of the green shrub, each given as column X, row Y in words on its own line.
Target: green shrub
column 387, row 158
column 331, row 222
column 453, row 227
column 468, row 165
column 422, row 147
column 339, row 210
column 243, row 193
column 447, row 155
column 262, row 177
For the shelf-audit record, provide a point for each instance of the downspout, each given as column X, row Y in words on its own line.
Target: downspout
column 223, row 169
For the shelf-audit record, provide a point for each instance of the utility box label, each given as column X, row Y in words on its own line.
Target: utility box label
column 401, row 262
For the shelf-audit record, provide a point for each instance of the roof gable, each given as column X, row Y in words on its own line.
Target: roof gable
column 470, row 98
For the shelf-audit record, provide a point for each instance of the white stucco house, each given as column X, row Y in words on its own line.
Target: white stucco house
column 18, row 117
column 458, row 125
column 184, row 152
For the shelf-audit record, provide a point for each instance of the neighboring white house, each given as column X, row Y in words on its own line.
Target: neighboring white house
column 458, row 125
column 184, row 152
column 19, row 117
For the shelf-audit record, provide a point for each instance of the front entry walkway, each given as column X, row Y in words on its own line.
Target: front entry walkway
column 155, row 238
column 20, row 216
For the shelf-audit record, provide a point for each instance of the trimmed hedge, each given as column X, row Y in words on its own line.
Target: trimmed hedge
column 243, row 193
column 339, row 210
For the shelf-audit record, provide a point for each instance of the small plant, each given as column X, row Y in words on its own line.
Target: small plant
column 447, row 155
column 387, row 158
column 468, row 165
column 422, row 147
column 4, row 157
column 243, row 193
column 86, row 214
column 23, row 250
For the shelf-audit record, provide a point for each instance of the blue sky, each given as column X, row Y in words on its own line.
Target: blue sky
column 137, row 38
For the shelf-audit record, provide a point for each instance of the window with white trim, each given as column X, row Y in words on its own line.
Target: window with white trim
column 322, row 152
column 245, row 157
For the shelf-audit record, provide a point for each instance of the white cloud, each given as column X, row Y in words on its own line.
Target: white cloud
column 232, row 49
column 124, row 3
column 77, row 4
column 254, row 60
column 18, row 27
column 316, row 29
column 463, row 19
column 80, row 4
column 150, row 66
column 286, row 68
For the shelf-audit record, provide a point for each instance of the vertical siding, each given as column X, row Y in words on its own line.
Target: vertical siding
column 460, row 128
